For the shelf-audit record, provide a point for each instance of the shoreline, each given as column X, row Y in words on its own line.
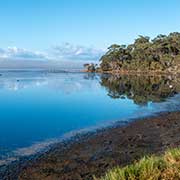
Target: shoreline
column 134, row 72
column 94, row 153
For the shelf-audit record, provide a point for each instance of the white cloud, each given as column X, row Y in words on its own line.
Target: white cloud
column 64, row 51
column 67, row 51
column 21, row 53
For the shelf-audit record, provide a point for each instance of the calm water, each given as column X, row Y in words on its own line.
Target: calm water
column 38, row 108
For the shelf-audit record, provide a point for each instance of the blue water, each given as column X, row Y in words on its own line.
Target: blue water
column 37, row 106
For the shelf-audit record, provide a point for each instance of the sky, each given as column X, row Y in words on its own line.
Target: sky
column 80, row 29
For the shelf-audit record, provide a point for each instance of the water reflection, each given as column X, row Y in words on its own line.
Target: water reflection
column 64, row 82
column 141, row 89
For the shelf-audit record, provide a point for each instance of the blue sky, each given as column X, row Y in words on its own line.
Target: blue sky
column 41, row 25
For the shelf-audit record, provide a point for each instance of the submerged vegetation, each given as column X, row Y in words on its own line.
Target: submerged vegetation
column 150, row 168
column 159, row 54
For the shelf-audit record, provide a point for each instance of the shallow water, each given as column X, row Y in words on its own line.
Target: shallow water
column 39, row 108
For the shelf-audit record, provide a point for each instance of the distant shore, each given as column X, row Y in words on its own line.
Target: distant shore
column 95, row 153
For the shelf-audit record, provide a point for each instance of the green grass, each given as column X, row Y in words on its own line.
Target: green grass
column 165, row 167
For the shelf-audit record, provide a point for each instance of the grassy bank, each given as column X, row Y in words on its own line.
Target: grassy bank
column 163, row 167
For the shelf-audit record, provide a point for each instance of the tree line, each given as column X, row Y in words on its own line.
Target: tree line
column 159, row 54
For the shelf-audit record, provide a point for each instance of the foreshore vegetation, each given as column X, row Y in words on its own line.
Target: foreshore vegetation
column 162, row 167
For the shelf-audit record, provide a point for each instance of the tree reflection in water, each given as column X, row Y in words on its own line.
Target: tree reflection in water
column 141, row 89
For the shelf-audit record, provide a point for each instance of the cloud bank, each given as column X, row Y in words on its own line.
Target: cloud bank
column 68, row 51
column 65, row 51
column 21, row 53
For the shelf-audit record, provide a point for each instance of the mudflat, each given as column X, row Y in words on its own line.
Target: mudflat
column 94, row 154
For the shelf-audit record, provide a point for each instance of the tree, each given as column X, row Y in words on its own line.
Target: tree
column 90, row 67
column 144, row 54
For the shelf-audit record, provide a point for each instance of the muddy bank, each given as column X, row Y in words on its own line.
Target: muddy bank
column 95, row 154
column 138, row 72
